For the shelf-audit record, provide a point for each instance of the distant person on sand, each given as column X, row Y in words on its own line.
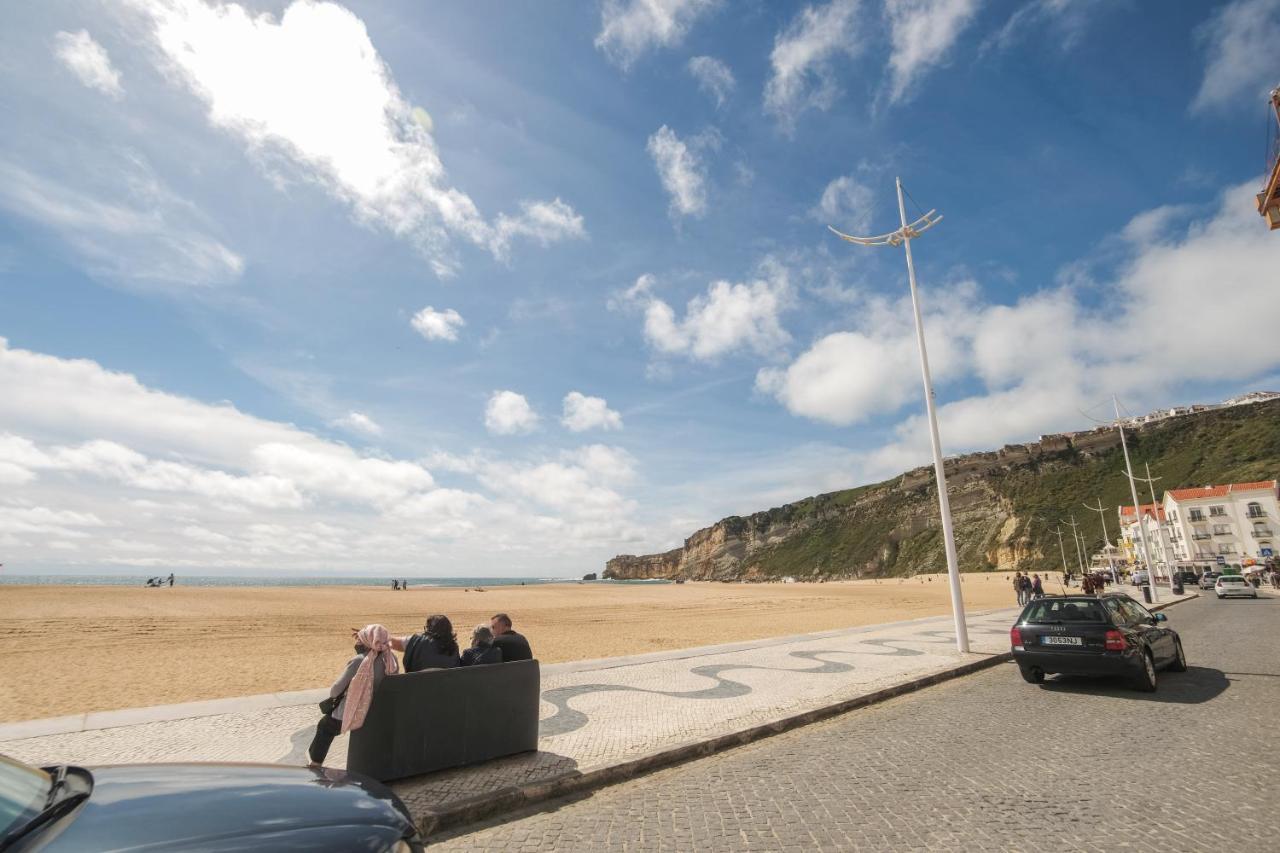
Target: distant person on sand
column 482, row 649
column 1017, row 586
column 1037, row 587
column 435, row 648
column 513, row 645
column 170, row 579
column 351, row 695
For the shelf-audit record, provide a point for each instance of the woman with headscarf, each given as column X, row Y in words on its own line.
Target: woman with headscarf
column 351, row 695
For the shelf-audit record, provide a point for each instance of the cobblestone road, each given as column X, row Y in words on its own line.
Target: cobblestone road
column 968, row 765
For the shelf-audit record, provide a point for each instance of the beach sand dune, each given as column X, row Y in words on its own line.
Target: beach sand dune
column 70, row 649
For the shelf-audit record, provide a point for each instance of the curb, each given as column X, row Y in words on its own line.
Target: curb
column 505, row 800
column 509, row 799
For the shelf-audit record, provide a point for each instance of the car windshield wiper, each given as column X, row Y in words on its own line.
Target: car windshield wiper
column 62, row 798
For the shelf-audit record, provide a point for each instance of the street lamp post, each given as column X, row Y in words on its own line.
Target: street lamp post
column 903, row 236
column 1106, row 540
column 1062, row 550
column 1074, row 538
column 1166, row 545
column 1137, row 507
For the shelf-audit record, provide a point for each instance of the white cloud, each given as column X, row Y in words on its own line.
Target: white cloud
column 582, row 413
column 438, row 325
column 509, row 413
column 1067, row 18
column 151, row 440
column 544, row 222
column 922, row 32
column 89, row 61
column 311, row 89
column 630, row 28
column 1240, row 39
column 681, row 171
column 846, row 204
column 726, row 318
column 360, row 423
column 714, row 78
column 136, row 232
column 802, row 76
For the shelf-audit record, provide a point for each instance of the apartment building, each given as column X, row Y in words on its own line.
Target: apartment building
column 1235, row 524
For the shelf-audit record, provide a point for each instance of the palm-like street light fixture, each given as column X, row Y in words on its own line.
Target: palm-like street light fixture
column 903, row 237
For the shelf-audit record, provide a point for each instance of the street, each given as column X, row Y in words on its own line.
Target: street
column 985, row 762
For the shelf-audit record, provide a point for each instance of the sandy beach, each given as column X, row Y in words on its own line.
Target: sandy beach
column 69, row 649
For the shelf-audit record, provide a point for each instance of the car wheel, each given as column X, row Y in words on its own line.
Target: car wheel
column 1179, row 660
column 1032, row 674
column 1146, row 680
column 1219, row 597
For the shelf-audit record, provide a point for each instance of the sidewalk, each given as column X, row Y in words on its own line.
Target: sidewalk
column 601, row 721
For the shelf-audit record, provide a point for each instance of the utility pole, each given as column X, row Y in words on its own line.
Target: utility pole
column 1166, row 546
column 1137, row 507
column 1079, row 554
column 1062, row 550
column 1102, row 515
column 903, row 237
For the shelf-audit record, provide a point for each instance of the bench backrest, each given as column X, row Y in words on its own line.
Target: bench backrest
column 438, row 718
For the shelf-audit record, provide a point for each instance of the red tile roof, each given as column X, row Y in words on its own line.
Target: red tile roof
column 1147, row 509
column 1221, row 491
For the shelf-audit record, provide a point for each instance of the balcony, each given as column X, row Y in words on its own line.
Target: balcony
column 1201, row 536
column 1195, row 516
column 1262, row 533
column 1223, row 533
column 1257, row 513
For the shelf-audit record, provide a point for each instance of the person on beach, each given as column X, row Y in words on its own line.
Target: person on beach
column 170, row 580
column 513, row 645
column 1037, row 587
column 351, row 695
column 1017, row 586
column 435, row 648
column 482, row 649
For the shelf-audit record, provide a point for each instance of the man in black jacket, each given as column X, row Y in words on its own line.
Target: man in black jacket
column 513, row 645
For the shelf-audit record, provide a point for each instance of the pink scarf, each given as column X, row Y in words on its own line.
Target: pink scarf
column 377, row 640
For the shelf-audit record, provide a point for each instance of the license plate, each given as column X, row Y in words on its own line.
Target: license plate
column 1061, row 641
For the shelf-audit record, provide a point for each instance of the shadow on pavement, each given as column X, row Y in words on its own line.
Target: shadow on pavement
column 1198, row 684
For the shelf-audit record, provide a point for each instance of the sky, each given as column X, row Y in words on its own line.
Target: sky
column 507, row 289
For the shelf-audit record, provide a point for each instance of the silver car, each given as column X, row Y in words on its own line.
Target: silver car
column 1234, row 585
column 1208, row 579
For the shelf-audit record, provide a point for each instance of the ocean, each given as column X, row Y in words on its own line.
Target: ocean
column 287, row 580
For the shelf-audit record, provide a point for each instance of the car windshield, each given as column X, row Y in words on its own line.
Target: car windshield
column 1230, row 579
column 1055, row 610
column 23, row 792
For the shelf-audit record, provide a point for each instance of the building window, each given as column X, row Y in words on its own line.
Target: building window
column 1226, row 549
column 1217, row 510
column 1221, row 529
column 1256, row 511
column 1196, row 515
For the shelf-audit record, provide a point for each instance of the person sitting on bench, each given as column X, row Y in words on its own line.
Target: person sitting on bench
column 482, row 649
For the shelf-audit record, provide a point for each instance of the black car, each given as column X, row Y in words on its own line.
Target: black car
column 1094, row 635
column 206, row 807
column 1188, row 577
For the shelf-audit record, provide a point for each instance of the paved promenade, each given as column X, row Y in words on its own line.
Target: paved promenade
column 595, row 715
column 987, row 762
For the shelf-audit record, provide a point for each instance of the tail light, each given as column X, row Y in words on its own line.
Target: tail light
column 1015, row 636
column 1115, row 641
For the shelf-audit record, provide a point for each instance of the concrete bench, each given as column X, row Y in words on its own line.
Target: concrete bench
column 439, row 718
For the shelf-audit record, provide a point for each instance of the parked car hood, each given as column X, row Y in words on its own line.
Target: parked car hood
column 232, row 807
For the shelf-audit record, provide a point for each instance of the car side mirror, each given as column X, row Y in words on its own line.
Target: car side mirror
column 1159, row 617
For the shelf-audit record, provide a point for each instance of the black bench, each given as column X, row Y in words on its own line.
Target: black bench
column 439, row 718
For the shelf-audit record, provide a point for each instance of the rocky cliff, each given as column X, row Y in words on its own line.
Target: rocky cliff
column 1004, row 503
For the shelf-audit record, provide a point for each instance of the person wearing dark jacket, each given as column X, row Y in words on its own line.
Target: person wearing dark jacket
column 514, row 646
column 435, row 648
column 482, row 649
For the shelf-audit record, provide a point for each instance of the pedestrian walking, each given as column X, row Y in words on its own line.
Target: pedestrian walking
column 1037, row 587
column 1017, row 588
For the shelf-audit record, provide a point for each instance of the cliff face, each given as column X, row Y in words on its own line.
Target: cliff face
column 1004, row 504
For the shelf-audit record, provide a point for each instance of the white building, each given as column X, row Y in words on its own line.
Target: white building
column 1152, row 516
column 1238, row 522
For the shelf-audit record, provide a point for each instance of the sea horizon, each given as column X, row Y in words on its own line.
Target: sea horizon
column 50, row 579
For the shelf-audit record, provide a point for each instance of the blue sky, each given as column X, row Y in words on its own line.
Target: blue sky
column 507, row 289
